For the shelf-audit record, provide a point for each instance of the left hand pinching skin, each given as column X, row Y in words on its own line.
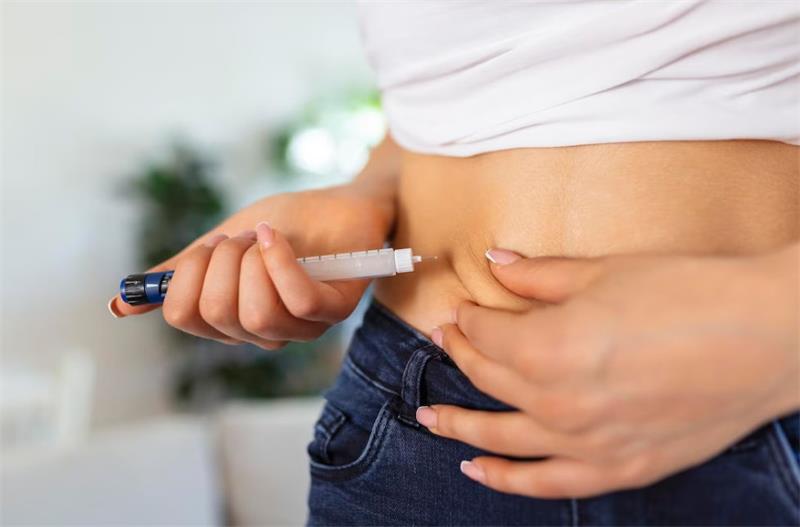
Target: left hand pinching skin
column 637, row 368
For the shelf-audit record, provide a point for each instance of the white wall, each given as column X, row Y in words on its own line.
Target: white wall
column 89, row 88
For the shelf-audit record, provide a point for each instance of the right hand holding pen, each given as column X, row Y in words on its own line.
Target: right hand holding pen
column 250, row 288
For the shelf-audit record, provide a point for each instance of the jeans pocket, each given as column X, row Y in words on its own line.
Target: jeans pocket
column 341, row 449
column 326, row 427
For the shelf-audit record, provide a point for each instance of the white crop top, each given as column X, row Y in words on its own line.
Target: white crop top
column 460, row 78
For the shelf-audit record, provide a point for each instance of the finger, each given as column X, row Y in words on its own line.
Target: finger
column 261, row 311
column 486, row 375
column 529, row 343
column 219, row 299
column 120, row 309
column 508, row 433
column 557, row 477
column 303, row 297
column 496, row 333
column 181, row 305
column 549, row 279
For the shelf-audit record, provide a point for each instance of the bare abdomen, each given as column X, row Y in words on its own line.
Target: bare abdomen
column 724, row 197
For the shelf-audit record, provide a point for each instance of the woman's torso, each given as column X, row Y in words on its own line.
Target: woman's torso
column 721, row 197
column 665, row 98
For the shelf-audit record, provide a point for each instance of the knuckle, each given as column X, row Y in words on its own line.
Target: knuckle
column 457, row 425
column 215, row 312
column 232, row 245
column 600, row 444
column 551, row 409
column 584, row 410
column 498, row 478
column 547, row 360
column 527, row 362
column 564, row 412
column 479, row 435
column 595, row 406
column 569, row 425
column 256, row 322
column 194, row 257
column 444, row 422
column 178, row 316
column 305, row 306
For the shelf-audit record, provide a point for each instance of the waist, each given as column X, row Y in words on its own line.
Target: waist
column 395, row 359
column 727, row 197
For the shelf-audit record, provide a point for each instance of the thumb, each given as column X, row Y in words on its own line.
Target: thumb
column 548, row 278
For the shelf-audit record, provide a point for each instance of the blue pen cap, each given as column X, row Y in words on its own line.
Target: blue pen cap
column 145, row 288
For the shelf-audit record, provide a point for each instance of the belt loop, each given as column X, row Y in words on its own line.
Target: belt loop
column 411, row 388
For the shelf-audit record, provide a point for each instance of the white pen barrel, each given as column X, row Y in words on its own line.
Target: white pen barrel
column 348, row 266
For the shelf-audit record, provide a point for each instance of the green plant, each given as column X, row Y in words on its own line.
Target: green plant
column 180, row 202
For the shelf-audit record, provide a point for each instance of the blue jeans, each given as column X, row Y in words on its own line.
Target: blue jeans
column 372, row 464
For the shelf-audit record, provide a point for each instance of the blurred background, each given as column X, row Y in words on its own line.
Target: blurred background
column 128, row 129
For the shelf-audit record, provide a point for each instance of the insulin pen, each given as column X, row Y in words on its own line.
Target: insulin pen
column 150, row 288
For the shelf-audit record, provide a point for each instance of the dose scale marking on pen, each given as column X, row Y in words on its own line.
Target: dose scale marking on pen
column 151, row 288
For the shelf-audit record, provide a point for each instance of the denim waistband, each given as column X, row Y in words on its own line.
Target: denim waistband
column 399, row 360
column 386, row 345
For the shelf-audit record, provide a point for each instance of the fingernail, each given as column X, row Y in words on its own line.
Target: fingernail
column 265, row 234
column 436, row 336
column 473, row 471
column 426, row 416
column 215, row 240
column 501, row 256
column 250, row 234
column 112, row 308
